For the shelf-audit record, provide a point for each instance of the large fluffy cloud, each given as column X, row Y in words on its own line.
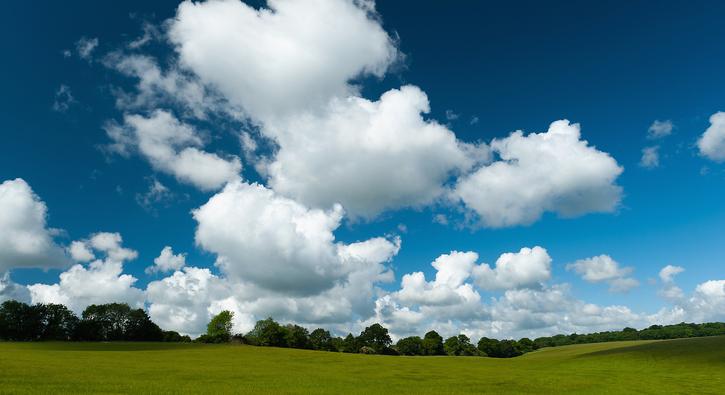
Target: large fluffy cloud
column 25, row 239
column 527, row 268
column 368, row 156
column 551, row 171
column 279, row 244
column 172, row 146
column 712, row 142
column 293, row 55
column 101, row 281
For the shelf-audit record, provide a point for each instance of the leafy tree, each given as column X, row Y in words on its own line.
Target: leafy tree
column 297, row 337
column 139, row 327
column 175, row 337
column 219, row 329
column 412, row 345
column 375, row 336
column 320, row 339
column 268, row 333
column 19, row 322
column 433, row 344
column 57, row 322
column 105, row 322
column 459, row 345
column 350, row 344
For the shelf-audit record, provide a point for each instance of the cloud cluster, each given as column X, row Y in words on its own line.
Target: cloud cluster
column 100, row 281
column 603, row 268
column 25, row 239
column 167, row 261
column 172, row 146
column 552, row 171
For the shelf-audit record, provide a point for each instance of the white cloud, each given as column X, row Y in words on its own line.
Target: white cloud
column 101, row 281
column 63, row 99
column 660, row 129
column 172, row 147
column 293, row 55
column 279, row 244
column 368, row 156
column 447, row 288
column 552, row 171
column 85, row 47
column 167, row 261
column 157, row 193
column 527, row 268
column 25, row 240
column 603, row 268
column 650, row 157
column 712, row 142
column 81, row 252
column 670, row 290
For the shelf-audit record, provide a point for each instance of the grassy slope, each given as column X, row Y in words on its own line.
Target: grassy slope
column 673, row 366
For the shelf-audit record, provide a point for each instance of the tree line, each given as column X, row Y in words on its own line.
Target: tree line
column 106, row 322
column 119, row 322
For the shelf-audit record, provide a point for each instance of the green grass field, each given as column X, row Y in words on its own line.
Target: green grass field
column 684, row 366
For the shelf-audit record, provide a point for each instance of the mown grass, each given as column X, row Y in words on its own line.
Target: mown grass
column 685, row 366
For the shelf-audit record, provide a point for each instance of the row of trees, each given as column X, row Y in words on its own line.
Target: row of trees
column 119, row 322
column 106, row 322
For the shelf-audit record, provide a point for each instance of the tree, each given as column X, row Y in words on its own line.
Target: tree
column 412, row 345
column 376, row 337
column 459, row 345
column 268, row 333
column 320, row 339
column 139, row 327
column 350, row 344
column 433, row 344
column 19, row 322
column 297, row 337
column 219, row 329
column 105, row 322
column 57, row 321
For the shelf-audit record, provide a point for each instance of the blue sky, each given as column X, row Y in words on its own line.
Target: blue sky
column 487, row 70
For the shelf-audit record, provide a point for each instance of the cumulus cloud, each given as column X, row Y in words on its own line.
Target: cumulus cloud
column 712, row 142
column 447, row 288
column 101, row 281
column 292, row 55
column 167, row 261
column 172, row 147
column 659, row 129
column 603, row 268
column 25, row 239
column 279, row 244
column 650, row 157
column 368, row 156
column 527, row 268
column 552, row 171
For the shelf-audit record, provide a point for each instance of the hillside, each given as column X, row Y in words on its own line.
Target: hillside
column 695, row 365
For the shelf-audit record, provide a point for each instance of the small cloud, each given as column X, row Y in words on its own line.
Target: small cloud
column 451, row 116
column 150, row 32
column 440, row 219
column 63, row 99
column 157, row 193
column 167, row 261
column 67, row 53
column 403, row 228
column 603, row 268
column 650, row 157
column 660, row 129
column 474, row 120
column 85, row 47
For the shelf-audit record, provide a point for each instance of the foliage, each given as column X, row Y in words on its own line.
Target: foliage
column 412, row 345
column 376, row 337
column 219, row 329
column 459, row 346
column 320, row 339
column 433, row 344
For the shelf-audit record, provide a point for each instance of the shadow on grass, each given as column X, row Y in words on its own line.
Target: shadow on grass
column 697, row 348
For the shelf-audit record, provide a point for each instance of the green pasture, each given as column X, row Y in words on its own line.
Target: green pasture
column 686, row 366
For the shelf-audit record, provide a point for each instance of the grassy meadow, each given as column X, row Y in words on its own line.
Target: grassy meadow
column 686, row 366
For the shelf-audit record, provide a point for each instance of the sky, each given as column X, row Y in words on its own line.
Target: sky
column 500, row 170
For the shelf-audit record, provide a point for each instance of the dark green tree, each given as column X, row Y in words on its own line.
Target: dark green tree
column 297, row 337
column 433, row 344
column 350, row 344
column 376, row 337
column 320, row 339
column 268, row 333
column 57, row 322
column 412, row 345
column 460, row 346
column 139, row 327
